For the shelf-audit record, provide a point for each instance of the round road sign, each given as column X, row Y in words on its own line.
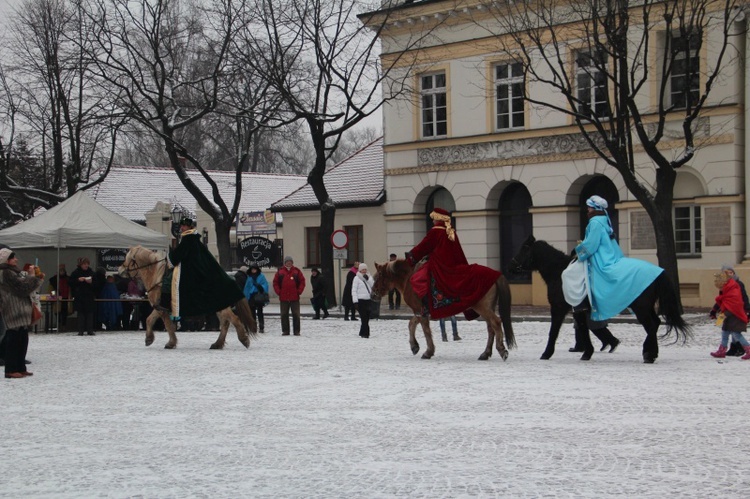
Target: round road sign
column 339, row 239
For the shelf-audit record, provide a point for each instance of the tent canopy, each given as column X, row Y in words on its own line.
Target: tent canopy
column 81, row 222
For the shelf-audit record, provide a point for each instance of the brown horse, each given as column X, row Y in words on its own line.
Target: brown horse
column 146, row 266
column 396, row 274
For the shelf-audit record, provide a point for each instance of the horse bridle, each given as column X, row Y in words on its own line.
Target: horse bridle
column 131, row 270
column 517, row 265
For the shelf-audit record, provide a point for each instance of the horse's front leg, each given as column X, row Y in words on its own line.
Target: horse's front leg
column 150, row 320
column 558, row 314
column 425, row 321
column 413, row 343
column 171, row 330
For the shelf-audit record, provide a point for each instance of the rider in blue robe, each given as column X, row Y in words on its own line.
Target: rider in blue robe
column 615, row 281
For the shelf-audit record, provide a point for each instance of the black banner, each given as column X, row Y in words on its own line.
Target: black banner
column 258, row 251
column 110, row 259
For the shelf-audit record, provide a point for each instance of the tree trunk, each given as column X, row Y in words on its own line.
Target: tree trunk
column 223, row 244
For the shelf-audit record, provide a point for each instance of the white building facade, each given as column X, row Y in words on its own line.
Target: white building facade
column 463, row 138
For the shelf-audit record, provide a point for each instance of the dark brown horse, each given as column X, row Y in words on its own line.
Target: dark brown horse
column 396, row 274
column 146, row 266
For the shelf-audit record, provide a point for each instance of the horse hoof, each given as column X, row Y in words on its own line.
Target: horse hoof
column 414, row 349
column 149, row 341
column 216, row 347
column 426, row 357
column 484, row 356
column 246, row 342
column 586, row 356
column 648, row 360
column 545, row 357
column 504, row 355
column 169, row 346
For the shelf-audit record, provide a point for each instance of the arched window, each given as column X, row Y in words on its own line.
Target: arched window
column 441, row 198
column 601, row 186
column 516, row 225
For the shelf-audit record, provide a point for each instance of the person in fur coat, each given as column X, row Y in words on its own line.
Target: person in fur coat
column 16, row 288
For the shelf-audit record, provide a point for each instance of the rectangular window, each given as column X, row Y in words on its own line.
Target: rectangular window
column 687, row 230
column 591, row 84
column 509, row 96
column 684, row 84
column 434, row 105
column 356, row 250
column 312, row 247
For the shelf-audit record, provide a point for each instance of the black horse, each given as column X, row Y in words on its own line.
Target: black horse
column 550, row 262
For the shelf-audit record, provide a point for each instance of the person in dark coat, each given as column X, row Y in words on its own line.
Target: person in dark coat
column 319, row 289
column 59, row 283
column 240, row 277
column 81, row 283
column 16, row 289
column 199, row 285
column 346, row 300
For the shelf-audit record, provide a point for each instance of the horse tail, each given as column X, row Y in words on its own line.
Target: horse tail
column 671, row 310
column 246, row 317
column 503, row 303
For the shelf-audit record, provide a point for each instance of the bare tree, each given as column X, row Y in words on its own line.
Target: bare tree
column 605, row 90
column 324, row 62
column 64, row 119
column 176, row 67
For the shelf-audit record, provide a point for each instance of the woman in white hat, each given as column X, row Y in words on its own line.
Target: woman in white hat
column 361, row 296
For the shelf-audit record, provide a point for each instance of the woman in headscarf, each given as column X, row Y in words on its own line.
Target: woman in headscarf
column 614, row 281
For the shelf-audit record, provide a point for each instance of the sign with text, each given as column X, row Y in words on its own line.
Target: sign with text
column 258, row 251
column 110, row 259
column 256, row 222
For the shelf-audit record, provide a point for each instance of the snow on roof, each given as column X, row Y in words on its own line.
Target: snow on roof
column 131, row 191
column 355, row 181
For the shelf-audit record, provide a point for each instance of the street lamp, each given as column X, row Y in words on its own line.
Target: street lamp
column 178, row 213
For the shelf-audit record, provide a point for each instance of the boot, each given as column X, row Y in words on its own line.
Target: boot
column 260, row 326
column 325, row 313
column 456, row 337
column 720, row 353
column 747, row 353
column 445, row 336
column 735, row 349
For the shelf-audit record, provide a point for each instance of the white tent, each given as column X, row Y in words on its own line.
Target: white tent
column 81, row 222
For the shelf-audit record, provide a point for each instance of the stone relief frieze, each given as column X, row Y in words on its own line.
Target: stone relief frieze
column 537, row 146
column 504, row 150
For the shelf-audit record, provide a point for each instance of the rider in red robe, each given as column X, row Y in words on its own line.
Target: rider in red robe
column 447, row 283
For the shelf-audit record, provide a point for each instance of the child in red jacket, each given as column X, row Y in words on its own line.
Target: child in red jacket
column 735, row 320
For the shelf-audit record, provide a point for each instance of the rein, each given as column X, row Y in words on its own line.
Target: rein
column 132, row 269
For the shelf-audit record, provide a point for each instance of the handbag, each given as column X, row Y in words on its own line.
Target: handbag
column 260, row 298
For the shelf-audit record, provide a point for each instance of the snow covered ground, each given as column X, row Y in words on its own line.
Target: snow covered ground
column 331, row 415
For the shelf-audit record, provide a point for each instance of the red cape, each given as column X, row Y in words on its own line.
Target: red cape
column 447, row 278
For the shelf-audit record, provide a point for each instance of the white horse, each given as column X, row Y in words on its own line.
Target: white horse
column 146, row 266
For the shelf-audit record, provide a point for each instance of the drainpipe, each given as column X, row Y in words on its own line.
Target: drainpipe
column 746, row 123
